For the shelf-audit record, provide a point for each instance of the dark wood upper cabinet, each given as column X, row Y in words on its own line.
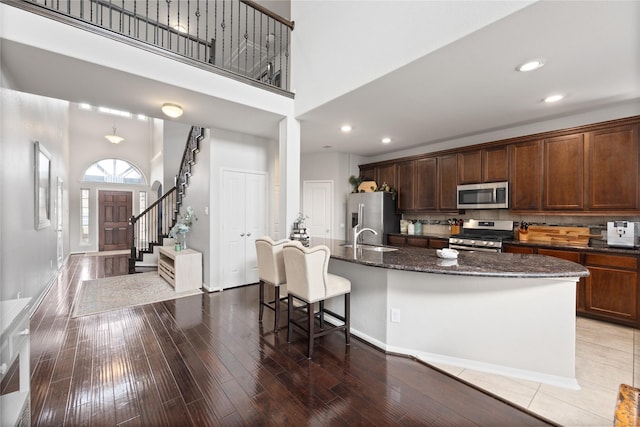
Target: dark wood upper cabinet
column 526, row 175
column 426, row 183
column 613, row 168
column 495, row 164
column 447, row 182
column 564, row 172
column 368, row 173
column 484, row 165
column 591, row 168
column 386, row 175
column 470, row 167
column 405, row 185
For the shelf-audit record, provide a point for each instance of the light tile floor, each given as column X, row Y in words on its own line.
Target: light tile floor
column 606, row 356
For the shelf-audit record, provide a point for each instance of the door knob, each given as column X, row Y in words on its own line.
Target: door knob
column 248, row 234
column 241, row 234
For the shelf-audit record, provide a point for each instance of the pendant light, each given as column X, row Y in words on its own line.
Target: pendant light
column 114, row 138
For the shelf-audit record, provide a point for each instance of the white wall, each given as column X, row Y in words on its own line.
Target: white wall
column 174, row 140
column 338, row 46
column 28, row 261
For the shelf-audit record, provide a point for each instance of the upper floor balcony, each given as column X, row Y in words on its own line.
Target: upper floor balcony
column 239, row 39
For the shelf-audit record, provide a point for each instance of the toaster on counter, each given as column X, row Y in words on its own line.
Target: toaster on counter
column 624, row 234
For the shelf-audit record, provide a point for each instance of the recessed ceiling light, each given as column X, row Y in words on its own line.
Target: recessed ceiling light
column 531, row 65
column 345, row 128
column 553, row 98
column 386, row 140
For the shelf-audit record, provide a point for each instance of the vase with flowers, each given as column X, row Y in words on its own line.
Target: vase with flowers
column 181, row 228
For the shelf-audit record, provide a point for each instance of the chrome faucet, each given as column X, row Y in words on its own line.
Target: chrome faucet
column 357, row 233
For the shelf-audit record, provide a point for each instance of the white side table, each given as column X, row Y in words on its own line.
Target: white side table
column 182, row 269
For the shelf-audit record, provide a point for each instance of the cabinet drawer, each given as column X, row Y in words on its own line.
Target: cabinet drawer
column 569, row 256
column 396, row 240
column 438, row 243
column 624, row 262
column 418, row 242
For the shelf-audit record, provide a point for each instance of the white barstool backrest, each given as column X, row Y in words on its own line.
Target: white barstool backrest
column 306, row 270
column 271, row 260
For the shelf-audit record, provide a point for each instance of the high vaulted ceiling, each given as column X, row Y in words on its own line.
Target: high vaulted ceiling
column 591, row 49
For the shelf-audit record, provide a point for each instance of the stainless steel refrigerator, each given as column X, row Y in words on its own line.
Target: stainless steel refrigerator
column 375, row 210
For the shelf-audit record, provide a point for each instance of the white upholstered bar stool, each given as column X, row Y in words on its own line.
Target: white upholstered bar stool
column 271, row 272
column 308, row 281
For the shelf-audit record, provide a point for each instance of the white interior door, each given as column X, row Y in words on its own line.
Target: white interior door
column 244, row 217
column 255, row 221
column 317, row 204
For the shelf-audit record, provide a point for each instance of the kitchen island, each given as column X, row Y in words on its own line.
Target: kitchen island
column 508, row 314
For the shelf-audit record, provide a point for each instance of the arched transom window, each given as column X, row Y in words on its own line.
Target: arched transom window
column 113, row 171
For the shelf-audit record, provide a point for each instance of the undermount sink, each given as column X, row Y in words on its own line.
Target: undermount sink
column 372, row 248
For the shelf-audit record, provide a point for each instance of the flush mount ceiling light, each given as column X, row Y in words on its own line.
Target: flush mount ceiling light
column 553, row 98
column 386, row 140
column 114, row 138
column 172, row 110
column 531, row 65
column 345, row 128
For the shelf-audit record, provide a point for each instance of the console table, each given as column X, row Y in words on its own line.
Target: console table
column 14, row 407
column 182, row 269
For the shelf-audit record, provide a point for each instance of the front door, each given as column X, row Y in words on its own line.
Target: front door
column 115, row 210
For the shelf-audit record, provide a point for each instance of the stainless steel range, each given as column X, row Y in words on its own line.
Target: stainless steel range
column 482, row 235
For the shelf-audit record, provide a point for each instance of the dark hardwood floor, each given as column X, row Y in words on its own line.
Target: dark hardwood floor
column 205, row 361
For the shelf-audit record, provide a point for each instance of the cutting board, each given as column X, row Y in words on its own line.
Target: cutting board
column 558, row 234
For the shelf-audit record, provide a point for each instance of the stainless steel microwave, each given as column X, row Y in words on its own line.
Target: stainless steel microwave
column 490, row 195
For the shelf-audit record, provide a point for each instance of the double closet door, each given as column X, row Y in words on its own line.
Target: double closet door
column 244, row 218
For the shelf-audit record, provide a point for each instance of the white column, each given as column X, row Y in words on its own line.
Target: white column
column 289, row 171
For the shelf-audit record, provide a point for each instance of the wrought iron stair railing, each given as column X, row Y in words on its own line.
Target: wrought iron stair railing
column 236, row 38
column 152, row 225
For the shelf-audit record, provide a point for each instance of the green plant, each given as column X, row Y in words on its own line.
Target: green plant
column 355, row 182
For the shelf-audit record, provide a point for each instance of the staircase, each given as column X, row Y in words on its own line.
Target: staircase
column 152, row 226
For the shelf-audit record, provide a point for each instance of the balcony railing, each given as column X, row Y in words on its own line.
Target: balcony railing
column 236, row 36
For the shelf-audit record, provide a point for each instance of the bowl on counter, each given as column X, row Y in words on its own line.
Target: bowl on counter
column 447, row 253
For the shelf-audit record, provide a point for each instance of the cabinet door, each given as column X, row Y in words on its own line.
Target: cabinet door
column 526, row 176
column 575, row 257
column 612, row 287
column 612, row 293
column 368, row 173
column 495, row 164
column 386, row 174
column 426, row 183
column 613, row 168
column 448, row 183
column 564, row 172
column 470, row 167
column 405, row 185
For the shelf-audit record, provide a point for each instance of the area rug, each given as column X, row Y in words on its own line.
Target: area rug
column 113, row 293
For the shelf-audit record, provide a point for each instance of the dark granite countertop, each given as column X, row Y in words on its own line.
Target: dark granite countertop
column 594, row 246
column 467, row 264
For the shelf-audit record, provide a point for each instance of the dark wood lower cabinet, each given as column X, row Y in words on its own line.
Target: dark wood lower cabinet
column 417, row 241
column 610, row 292
column 612, row 288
